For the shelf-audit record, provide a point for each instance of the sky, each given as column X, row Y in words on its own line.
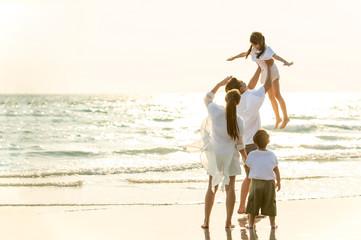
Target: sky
column 166, row 46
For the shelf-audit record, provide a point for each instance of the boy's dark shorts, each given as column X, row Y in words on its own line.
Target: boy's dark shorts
column 262, row 195
column 250, row 148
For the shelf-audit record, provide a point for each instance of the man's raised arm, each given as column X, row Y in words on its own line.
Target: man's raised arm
column 253, row 82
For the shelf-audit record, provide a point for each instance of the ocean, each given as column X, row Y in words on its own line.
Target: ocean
column 110, row 150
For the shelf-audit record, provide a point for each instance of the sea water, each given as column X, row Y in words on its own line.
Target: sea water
column 130, row 149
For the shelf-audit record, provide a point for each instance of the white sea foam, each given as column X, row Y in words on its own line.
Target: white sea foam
column 104, row 171
column 44, row 184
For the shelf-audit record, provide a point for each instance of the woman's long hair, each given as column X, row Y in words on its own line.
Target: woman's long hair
column 233, row 98
column 257, row 38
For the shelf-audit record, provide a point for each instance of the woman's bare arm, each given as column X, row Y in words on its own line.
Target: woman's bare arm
column 243, row 154
column 221, row 83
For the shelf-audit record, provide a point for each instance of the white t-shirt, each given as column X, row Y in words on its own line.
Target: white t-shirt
column 251, row 102
column 267, row 54
column 262, row 164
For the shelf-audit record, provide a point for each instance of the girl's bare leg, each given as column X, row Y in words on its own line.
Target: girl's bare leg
column 281, row 101
column 209, row 200
column 230, row 200
column 272, row 98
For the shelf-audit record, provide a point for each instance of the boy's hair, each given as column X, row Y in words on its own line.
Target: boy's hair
column 261, row 138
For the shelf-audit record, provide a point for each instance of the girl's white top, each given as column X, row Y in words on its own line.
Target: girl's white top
column 218, row 148
column 267, row 54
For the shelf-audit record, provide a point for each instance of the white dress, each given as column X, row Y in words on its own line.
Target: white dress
column 219, row 152
column 267, row 54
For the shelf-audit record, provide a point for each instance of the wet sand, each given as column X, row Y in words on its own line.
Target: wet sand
column 301, row 219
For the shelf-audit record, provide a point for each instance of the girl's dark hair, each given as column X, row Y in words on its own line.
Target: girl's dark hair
column 257, row 38
column 233, row 97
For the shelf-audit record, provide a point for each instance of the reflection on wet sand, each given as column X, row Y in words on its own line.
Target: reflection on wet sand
column 246, row 234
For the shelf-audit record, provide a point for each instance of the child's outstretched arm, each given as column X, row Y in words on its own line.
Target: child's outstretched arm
column 241, row 55
column 285, row 63
column 278, row 178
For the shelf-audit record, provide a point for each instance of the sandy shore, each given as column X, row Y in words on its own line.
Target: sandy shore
column 302, row 219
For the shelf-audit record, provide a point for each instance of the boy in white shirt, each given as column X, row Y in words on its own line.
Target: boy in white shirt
column 264, row 170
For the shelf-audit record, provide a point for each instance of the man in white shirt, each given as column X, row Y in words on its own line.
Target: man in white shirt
column 251, row 102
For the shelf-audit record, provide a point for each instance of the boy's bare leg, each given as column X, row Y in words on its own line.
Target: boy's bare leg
column 272, row 220
column 209, row 200
column 244, row 191
column 281, row 101
column 251, row 220
column 230, row 201
column 272, row 98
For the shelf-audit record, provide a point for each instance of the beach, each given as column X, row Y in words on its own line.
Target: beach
column 300, row 219
column 102, row 119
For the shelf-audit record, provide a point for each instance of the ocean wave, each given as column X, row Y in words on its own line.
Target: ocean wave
column 82, row 110
column 277, row 146
column 306, row 128
column 44, row 184
column 324, row 147
column 163, row 119
column 323, row 156
column 157, row 181
column 64, row 153
column 294, row 128
column 302, row 117
column 102, row 171
column 159, row 151
column 331, row 138
column 343, row 127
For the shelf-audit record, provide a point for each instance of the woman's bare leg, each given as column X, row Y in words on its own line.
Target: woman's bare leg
column 272, row 98
column 281, row 101
column 230, row 201
column 209, row 200
column 244, row 192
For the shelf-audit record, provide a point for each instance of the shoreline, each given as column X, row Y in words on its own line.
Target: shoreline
column 116, row 205
column 297, row 219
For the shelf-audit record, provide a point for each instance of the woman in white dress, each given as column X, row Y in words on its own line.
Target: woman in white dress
column 223, row 133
